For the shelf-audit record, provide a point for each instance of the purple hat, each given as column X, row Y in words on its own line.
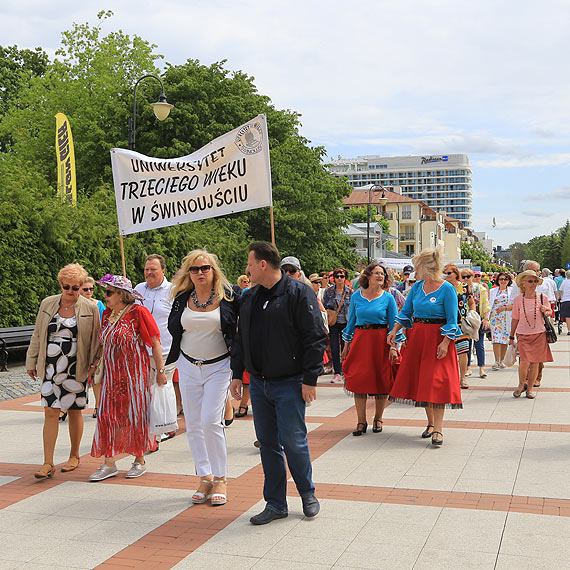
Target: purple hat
column 119, row 282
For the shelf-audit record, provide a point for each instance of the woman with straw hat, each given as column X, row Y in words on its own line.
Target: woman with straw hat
column 529, row 309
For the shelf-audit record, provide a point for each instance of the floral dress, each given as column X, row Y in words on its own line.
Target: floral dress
column 500, row 327
column 60, row 388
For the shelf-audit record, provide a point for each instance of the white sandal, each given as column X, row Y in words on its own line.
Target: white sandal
column 199, row 498
column 217, row 498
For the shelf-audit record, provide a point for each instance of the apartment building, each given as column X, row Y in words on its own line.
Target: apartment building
column 414, row 226
column 441, row 182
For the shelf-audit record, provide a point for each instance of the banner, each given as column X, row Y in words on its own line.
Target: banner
column 66, row 184
column 230, row 174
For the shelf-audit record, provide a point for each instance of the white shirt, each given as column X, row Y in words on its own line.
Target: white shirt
column 158, row 302
column 565, row 290
column 548, row 288
column 202, row 337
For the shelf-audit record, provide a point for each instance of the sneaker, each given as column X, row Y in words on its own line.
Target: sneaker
column 104, row 472
column 167, row 436
column 136, row 470
column 502, row 365
column 495, row 366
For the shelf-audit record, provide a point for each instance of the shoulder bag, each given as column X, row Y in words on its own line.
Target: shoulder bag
column 332, row 314
column 551, row 337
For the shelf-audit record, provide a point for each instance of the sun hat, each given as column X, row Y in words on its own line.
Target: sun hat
column 476, row 273
column 315, row 278
column 119, row 282
column 290, row 260
column 528, row 273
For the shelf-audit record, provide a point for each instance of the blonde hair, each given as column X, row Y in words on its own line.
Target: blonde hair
column 72, row 272
column 428, row 262
column 182, row 281
column 242, row 279
column 89, row 280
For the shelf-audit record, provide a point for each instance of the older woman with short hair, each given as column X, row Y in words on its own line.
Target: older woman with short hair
column 123, row 420
column 500, row 317
column 63, row 347
column 203, row 324
column 428, row 376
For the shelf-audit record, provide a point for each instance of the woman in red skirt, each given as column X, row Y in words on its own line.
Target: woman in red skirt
column 429, row 375
column 367, row 368
column 528, row 322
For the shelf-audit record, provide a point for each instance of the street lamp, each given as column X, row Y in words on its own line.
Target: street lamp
column 161, row 109
column 382, row 201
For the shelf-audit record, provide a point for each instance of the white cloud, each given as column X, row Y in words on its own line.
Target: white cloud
column 555, row 159
column 537, row 213
column 559, row 194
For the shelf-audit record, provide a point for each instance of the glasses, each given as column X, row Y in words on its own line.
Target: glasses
column 340, row 276
column 88, row 289
column 195, row 269
column 466, row 276
column 290, row 270
column 476, row 276
column 532, row 280
column 503, row 279
column 449, row 272
column 67, row 287
column 109, row 293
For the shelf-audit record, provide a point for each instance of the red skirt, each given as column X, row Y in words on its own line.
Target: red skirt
column 534, row 348
column 367, row 368
column 422, row 379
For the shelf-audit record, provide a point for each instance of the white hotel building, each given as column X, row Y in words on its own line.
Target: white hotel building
column 442, row 182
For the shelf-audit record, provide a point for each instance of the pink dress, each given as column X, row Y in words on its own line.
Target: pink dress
column 124, row 410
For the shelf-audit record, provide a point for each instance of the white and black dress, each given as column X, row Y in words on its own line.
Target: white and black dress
column 60, row 388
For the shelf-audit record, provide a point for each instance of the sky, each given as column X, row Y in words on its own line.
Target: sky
column 404, row 77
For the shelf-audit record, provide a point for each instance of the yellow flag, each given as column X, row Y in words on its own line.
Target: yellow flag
column 66, row 184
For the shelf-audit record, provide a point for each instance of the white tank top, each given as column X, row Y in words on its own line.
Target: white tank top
column 202, row 337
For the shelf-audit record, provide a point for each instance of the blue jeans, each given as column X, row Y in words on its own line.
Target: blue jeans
column 337, row 344
column 279, row 419
column 479, row 348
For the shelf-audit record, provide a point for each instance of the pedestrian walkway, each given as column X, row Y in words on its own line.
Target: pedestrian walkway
column 496, row 496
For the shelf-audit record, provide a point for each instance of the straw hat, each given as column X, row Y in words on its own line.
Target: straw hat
column 315, row 278
column 525, row 275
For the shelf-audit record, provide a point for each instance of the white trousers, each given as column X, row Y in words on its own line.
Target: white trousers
column 204, row 390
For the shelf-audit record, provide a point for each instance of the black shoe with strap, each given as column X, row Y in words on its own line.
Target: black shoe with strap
column 376, row 425
column 360, row 430
column 240, row 414
column 427, row 433
column 436, row 440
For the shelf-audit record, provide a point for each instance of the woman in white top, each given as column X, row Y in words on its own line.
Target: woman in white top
column 203, row 322
column 564, row 295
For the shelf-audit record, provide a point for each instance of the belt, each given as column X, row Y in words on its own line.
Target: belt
column 200, row 362
column 376, row 326
column 431, row 321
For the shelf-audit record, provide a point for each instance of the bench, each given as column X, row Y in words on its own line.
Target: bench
column 13, row 338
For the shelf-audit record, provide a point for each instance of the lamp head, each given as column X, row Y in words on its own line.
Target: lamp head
column 161, row 108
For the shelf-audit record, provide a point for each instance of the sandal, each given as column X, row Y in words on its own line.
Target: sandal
column 426, row 432
column 240, row 414
column 71, row 465
column 62, row 416
column 358, row 430
column 218, row 497
column 375, row 427
column 95, row 413
column 530, row 395
column 44, row 473
column 436, row 440
column 201, row 495
column 517, row 393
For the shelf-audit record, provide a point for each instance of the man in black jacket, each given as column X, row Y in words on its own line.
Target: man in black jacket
column 280, row 342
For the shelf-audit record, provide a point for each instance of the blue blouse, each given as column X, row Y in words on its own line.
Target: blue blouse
column 101, row 307
column 379, row 311
column 440, row 304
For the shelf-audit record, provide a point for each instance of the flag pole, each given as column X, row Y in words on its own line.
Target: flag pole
column 272, row 225
column 123, row 254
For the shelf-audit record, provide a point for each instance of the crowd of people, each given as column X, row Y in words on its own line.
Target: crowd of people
column 404, row 337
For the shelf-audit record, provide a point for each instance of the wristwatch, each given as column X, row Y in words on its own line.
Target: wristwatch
column 161, row 370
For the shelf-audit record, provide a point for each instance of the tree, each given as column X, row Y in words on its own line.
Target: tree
column 475, row 252
column 565, row 252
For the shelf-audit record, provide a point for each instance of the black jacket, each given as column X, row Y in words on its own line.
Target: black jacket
column 229, row 311
column 297, row 337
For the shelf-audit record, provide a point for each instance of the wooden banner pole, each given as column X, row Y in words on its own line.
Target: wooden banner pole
column 272, row 225
column 123, row 255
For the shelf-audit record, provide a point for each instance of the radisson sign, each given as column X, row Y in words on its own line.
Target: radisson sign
column 429, row 159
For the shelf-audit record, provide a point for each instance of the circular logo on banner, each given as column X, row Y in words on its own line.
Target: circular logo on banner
column 249, row 138
column 432, row 300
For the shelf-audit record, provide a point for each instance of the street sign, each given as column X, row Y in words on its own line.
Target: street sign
column 568, row 266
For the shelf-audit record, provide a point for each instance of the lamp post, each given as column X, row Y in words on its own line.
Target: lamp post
column 161, row 109
column 382, row 201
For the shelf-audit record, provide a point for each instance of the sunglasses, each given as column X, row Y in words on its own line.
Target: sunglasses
column 503, row 279
column 532, row 280
column 67, row 287
column 195, row 269
column 290, row 270
column 109, row 293
column 449, row 272
column 466, row 276
column 339, row 276
column 88, row 289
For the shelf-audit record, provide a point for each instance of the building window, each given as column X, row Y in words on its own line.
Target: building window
column 406, row 212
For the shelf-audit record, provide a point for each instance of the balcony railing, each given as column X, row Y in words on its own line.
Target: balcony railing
column 408, row 237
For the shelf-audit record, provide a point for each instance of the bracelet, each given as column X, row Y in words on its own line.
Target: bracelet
column 511, row 338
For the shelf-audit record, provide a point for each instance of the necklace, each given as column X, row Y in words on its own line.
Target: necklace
column 199, row 305
column 525, row 317
column 116, row 315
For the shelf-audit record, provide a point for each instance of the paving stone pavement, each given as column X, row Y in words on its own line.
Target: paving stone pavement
column 495, row 496
column 16, row 383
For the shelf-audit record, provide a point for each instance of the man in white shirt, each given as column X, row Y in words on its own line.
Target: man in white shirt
column 155, row 291
column 548, row 287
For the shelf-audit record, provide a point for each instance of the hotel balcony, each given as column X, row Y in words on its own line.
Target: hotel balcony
column 408, row 237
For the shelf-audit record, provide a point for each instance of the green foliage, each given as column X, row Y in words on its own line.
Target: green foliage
column 91, row 81
column 565, row 251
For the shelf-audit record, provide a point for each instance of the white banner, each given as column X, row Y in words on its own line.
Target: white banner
column 230, row 174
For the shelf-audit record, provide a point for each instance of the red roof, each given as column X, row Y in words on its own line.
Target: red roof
column 360, row 198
